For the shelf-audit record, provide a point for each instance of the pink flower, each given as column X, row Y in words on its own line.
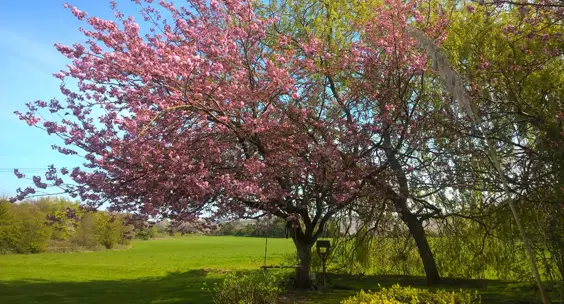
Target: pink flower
column 78, row 13
column 38, row 183
column 389, row 107
column 18, row 174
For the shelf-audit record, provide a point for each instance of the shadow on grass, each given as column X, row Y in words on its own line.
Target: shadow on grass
column 492, row 291
column 185, row 287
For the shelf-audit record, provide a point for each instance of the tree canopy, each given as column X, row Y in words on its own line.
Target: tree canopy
column 302, row 109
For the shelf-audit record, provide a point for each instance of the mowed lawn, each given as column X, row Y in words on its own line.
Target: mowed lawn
column 174, row 270
column 158, row 271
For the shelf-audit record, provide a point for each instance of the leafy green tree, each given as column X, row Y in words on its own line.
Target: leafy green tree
column 109, row 229
column 86, row 235
column 23, row 228
column 8, row 228
column 511, row 56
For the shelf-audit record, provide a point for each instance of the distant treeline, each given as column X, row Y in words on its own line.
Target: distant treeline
column 62, row 225
column 275, row 228
column 59, row 225
column 272, row 228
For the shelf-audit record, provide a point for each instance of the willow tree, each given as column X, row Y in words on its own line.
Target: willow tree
column 509, row 58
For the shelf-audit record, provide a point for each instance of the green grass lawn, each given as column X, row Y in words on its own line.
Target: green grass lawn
column 158, row 271
column 174, row 271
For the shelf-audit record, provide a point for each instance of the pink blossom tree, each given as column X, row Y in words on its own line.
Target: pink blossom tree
column 214, row 113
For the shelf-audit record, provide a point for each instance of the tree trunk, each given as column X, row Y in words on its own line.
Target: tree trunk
column 302, row 279
column 410, row 219
column 418, row 234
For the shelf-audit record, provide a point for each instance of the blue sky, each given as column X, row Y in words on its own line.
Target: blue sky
column 28, row 30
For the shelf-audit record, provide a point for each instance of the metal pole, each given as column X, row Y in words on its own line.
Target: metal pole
column 324, row 275
column 265, row 249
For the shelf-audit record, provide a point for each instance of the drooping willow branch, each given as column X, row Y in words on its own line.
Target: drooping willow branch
column 455, row 86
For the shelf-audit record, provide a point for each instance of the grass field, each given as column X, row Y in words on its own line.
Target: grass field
column 174, row 271
column 158, row 271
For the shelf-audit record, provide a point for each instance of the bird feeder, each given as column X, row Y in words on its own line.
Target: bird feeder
column 323, row 250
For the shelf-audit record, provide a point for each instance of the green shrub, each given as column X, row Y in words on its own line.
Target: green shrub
column 126, row 233
column 397, row 294
column 33, row 233
column 22, row 228
column 8, row 228
column 109, row 229
column 147, row 233
column 62, row 216
column 86, row 235
column 371, row 298
column 247, row 289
